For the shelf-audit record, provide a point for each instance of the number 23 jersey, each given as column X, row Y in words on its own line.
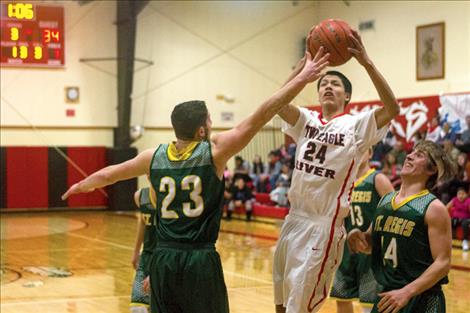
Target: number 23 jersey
column 327, row 159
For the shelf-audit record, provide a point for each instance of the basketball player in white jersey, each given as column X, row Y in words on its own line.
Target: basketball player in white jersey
column 330, row 145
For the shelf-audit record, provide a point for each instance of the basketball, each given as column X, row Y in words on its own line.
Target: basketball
column 333, row 35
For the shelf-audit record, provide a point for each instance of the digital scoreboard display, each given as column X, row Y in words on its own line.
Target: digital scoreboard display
column 32, row 34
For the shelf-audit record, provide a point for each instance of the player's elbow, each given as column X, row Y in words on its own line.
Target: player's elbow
column 445, row 266
column 393, row 109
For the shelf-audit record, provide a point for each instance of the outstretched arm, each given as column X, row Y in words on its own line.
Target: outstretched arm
column 227, row 144
column 111, row 174
column 385, row 114
column 440, row 241
column 290, row 113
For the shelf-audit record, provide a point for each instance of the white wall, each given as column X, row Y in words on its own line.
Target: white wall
column 244, row 49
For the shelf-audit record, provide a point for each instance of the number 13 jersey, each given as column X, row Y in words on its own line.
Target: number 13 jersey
column 327, row 159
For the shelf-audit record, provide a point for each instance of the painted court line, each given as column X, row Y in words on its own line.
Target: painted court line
column 117, row 245
column 13, row 303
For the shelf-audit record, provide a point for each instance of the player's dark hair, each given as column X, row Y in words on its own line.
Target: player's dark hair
column 187, row 117
column 346, row 83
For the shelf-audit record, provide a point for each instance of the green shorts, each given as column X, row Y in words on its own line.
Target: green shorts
column 139, row 297
column 354, row 279
column 430, row 301
column 187, row 278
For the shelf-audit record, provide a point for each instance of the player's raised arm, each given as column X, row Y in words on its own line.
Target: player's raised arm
column 290, row 113
column 109, row 175
column 385, row 114
column 227, row 144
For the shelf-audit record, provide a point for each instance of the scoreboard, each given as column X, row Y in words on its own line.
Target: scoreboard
column 32, row 35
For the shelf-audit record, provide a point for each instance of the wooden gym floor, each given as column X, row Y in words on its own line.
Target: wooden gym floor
column 96, row 248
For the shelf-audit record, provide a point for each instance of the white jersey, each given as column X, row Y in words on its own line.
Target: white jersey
column 327, row 159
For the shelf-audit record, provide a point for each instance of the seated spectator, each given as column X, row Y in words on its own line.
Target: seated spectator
column 279, row 194
column 447, row 133
column 399, row 152
column 459, row 208
column 463, row 167
column 242, row 169
column 392, row 170
column 273, row 169
column 463, row 144
column 240, row 196
column 450, row 149
column 291, row 152
column 257, row 170
column 228, row 186
column 380, row 150
column 433, row 130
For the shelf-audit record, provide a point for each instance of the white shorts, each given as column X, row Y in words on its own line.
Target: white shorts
column 305, row 261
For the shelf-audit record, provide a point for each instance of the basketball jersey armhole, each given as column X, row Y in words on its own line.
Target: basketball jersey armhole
column 153, row 158
column 214, row 169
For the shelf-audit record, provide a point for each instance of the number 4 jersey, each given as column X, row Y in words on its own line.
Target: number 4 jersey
column 327, row 159
column 189, row 194
column 400, row 242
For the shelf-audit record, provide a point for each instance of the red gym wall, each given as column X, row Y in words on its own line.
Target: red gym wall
column 36, row 177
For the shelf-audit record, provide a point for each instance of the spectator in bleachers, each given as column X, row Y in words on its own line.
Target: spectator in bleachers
column 273, row 169
column 433, row 129
column 242, row 169
column 257, row 170
column 283, row 152
column 291, row 152
column 417, row 137
column 240, row 196
column 392, row 170
column 279, row 194
column 228, row 186
column 459, row 209
column 450, row 149
column 447, row 133
column 399, row 152
column 463, row 144
column 380, row 151
column 464, row 167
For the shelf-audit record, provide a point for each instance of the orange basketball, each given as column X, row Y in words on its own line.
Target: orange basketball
column 333, row 35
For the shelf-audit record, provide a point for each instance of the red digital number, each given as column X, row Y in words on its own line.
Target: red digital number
column 49, row 35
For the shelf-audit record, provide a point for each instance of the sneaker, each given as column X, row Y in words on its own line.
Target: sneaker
column 465, row 245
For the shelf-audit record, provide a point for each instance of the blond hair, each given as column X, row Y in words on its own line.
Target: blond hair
column 445, row 167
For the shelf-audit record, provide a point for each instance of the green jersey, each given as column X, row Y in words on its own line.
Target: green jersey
column 189, row 194
column 148, row 212
column 400, row 243
column 364, row 201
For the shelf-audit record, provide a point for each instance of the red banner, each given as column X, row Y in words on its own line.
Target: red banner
column 415, row 113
